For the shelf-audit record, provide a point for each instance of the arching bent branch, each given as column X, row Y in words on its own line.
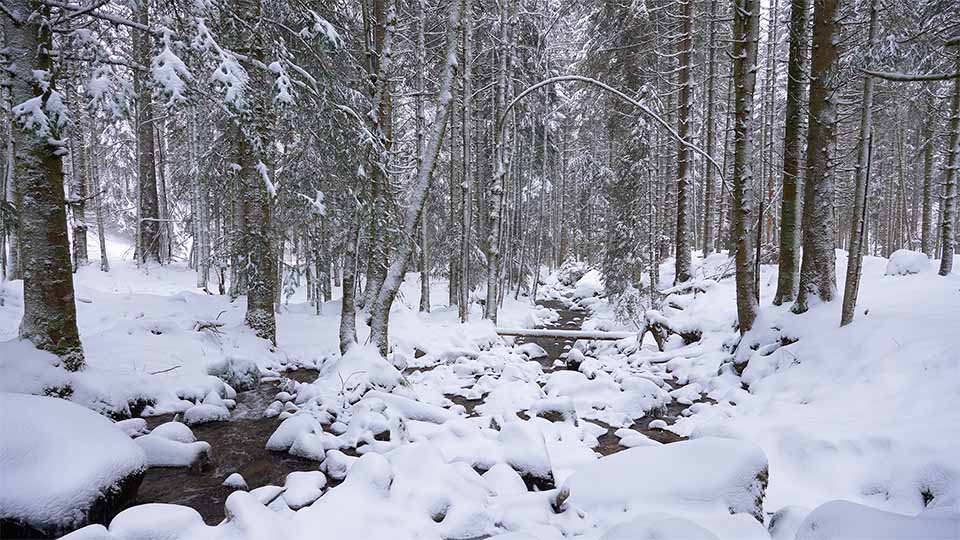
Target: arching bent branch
column 643, row 108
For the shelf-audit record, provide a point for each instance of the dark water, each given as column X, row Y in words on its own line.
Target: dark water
column 237, row 445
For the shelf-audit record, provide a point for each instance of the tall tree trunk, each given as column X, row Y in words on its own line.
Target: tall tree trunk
column 928, row 236
column 948, row 201
column 788, row 279
column 817, row 271
column 495, row 195
column 49, row 312
column 255, row 199
column 78, row 192
column 684, row 174
column 861, row 175
column 380, row 313
column 463, row 309
column 709, row 190
column 149, row 205
column 746, row 32
column 421, row 88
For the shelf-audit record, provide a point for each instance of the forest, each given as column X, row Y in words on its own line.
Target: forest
column 464, row 269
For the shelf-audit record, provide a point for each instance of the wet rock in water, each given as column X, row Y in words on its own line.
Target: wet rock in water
column 240, row 373
column 74, row 468
column 235, row 481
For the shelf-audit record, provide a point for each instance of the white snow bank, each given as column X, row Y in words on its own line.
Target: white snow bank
column 904, row 261
column 658, row 528
column 697, row 477
column 845, row 520
column 58, row 459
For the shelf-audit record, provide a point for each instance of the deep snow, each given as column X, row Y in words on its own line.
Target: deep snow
column 803, row 414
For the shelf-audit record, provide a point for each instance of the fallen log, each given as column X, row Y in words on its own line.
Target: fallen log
column 564, row 334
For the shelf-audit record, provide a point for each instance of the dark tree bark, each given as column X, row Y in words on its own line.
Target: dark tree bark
column 684, row 172
column 818, row 280
column 746, row 32
column 948, row 201
column 49, row 312
column 149, row 204
column 787, row 280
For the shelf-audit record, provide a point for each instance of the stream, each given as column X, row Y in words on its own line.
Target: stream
column 237, row 445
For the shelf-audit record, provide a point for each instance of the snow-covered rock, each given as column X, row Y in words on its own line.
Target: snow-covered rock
column 240, row 373
column 175, row 431
column 164, row 452
column 204, row 413
column 591, row 284
column 679, row 477
column 235, row 481
column 303, row 487
column 156, row 521
column 903, row 262
column 845, row 520
column 63, row 466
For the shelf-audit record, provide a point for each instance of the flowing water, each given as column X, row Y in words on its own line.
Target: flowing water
column 237, row 445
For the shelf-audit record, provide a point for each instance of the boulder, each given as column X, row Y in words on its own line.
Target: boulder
column 64, row 466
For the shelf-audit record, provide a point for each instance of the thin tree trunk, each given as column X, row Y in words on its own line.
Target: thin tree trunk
column 817, row 271
column 49, row 311
column 94, row 161
column 421, row 88
column 948, row 201
column 709, row 190
column 466, row 188
column 861, row 175
column 418, row 194
column 746, row 32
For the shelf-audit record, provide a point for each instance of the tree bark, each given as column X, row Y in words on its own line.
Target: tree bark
column 817, row 270
column 709, row 190
column 746, row 32
column 861, row 175
column 787, row 280
column 49, row 312
column 149, row 205
column 255, row 199
column 380, row 313
column 684, row 180
column 948, row 201
column 466, row 223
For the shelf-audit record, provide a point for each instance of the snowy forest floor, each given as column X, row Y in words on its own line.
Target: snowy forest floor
column 464, row 434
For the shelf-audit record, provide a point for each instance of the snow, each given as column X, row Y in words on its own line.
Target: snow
column 235, row 481
column 904, row 262
column 471, row 438
column 164, row 452
column 841, row 520
column 637, row 480
column 58, row 458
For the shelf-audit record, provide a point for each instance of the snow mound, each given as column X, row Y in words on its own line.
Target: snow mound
column 659, row 528
column 63, row 465
column 205, row 413
column 844, row 520
column 156, row 521
column 163, row 452
column 591, row 284
column 679, row 477
column 903, row 262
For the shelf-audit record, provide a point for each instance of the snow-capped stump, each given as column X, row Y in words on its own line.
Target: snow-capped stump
column 302, row 488
column 680, row 478
column 903, row 262
column 525, row 450
column 560, row 409
column 204, row 413
column 235, row 481
column 841, row 520
column 157, row 521
column 64, row 466
column 163, row 452
column 240, row 373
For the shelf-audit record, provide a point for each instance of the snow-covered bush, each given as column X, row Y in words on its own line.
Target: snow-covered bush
column 903, row 262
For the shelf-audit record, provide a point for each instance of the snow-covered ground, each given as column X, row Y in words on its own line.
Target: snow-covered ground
column 461, row 434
